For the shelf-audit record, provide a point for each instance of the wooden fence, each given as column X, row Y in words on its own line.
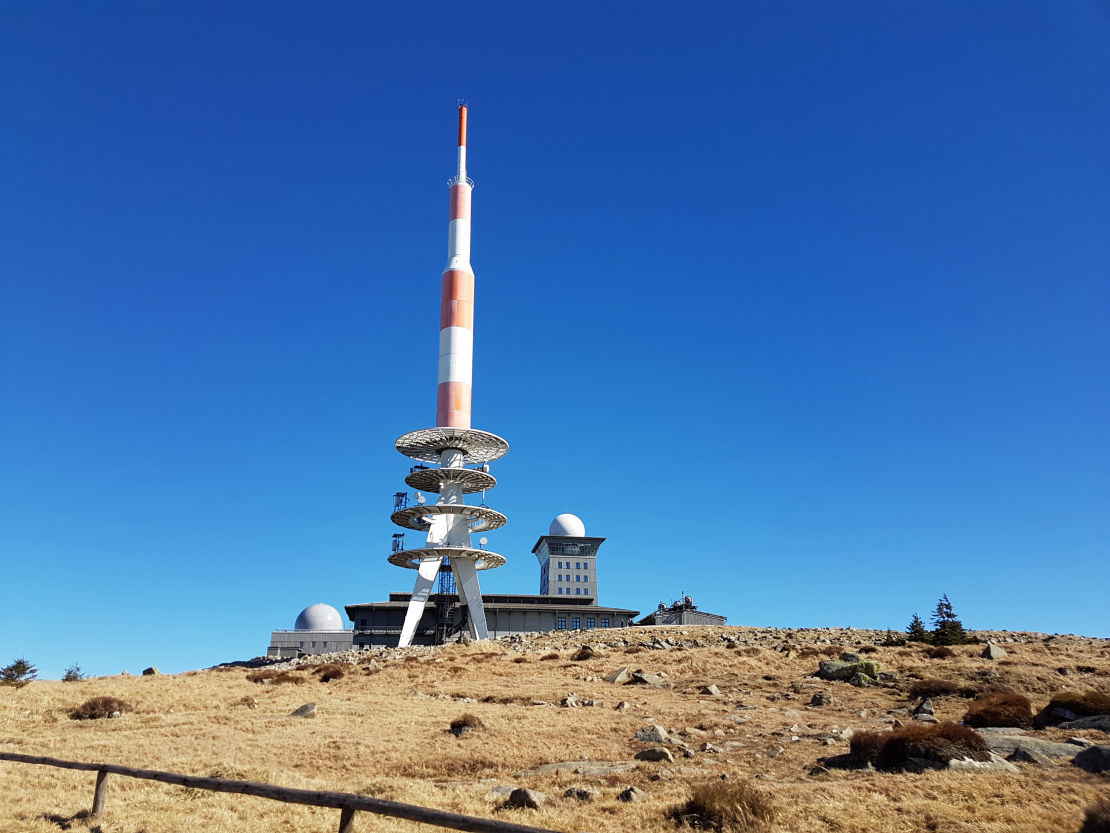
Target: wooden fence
column 347, row 803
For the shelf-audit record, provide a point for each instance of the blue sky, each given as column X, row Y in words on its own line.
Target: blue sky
column 804, row 306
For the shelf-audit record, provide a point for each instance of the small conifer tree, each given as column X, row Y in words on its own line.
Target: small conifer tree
column 947, row 629
column 916, row 631
column 18, row 674
column 73, row 674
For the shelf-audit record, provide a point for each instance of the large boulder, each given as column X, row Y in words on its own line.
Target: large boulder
column 1008, row 745
column 1093, row 759
column 850, row 668
column 1101, row 722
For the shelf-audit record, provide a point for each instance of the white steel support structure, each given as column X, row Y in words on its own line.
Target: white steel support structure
column 452, row 444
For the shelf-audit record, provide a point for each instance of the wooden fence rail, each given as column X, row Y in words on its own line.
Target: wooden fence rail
column 347, row 803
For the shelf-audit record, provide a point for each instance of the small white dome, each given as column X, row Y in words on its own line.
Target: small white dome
column 319, row 617
column 569, row 525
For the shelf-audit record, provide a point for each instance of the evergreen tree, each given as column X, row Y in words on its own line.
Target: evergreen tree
column 73, row 674
column 19, row 673
column 916, row 631
column 947, row 629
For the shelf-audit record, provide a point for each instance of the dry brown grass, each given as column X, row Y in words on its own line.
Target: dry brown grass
column 385, row 734
column 727, row 807
column 931, row 687
column 1083, row 703
column 268, row 676
column 96, row 708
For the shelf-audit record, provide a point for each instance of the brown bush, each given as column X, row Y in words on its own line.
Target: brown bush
column 268, row 676
column 584, row 653
column 98, row 707
column 999, row 709
column 551, row 655
column 726, row 806
column 520, row 659
column 821, row 651
column 918, row 746
column 939, row 652
column 1097, row 819
column 1083, row 704
column 330, row 671
column 941, row 688
column 466, row 723
column 868, row 649
column 633, row 649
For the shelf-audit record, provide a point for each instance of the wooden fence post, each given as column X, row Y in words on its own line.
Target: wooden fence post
column 347, row 820
column 100, row 792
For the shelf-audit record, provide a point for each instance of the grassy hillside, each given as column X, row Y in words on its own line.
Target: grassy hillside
column 385, row 732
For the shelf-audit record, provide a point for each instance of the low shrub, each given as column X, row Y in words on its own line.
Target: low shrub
column 466, row 723
column 584, row 653
column 726, row 806
column 268, row 676
column 868, row 649
column 551, row 655
column 917, row 746
column 98, row 707
column 1097, row 819
column 939, row 652
column 520, row 659
column 999, row 709
column 330, row 671
column 941, row 688
column 1083, row 704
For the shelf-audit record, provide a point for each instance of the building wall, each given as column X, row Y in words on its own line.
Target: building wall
column 288, row 644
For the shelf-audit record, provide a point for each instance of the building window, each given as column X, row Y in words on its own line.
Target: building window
column 561, row 623
column 313, row 644
column 302, row 644
column 578, row 578
column 576, row 623
column 577, row 566
column 604, row 621
column 560, row 591
column 560, row 565
column 560, row 576
column 323, row 644
column 589, row 623
column 577, row 591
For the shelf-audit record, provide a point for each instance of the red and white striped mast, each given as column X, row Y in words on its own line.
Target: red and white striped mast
column 452, row 444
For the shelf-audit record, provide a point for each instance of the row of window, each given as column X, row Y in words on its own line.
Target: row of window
column 322, row 644
column 576, row 623
column 585, row 579
column 577, row 565
column 578, row 591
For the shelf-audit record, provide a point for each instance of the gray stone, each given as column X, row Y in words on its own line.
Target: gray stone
column 1093, row 759
column 925, row 707
column 623, row 706
column 580, row 794
column 520, row 797
column 1083, row 743
column 820, row 699
column 652, row 734
column 1101, row 722
column 1007, row 745
column 657, row 753
column 711, row 690
column 630, row 794
column 993, row 651
column 861, row 680
column 1025, row 755
column 619, row 677
column 774, row 753
column 710, row 748
column 641, row 677
column 995, row 764
column 925, row 718
column 307, row 710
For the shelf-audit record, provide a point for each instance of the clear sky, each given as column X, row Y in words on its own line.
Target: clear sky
column 803, row 305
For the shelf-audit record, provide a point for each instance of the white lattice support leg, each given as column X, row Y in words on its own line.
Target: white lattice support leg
column 425, row 580
column 466, row 580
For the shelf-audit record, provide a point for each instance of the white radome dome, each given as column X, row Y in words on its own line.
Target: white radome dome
column 568, row 525
column 319, row 617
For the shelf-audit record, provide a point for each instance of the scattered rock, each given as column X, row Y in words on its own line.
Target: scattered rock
column 619, row 677
column 711, row 690
column 1101, row 722
column 580, row 794
column 774, row 753
column 521, row 797
column 995, row 764
column 1083, row 743
column 1026, row 755
column 1007, row 745
column 993, row 651
column 623, row 706
column 307, row 710
column 652, row 734
column 924, row 707
column 641, row 677
column 657, row 753
column 820, row 699
column 630, row 794
column 925, row 718
column 1093, row 759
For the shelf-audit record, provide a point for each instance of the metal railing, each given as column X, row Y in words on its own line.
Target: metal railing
column 347, row 803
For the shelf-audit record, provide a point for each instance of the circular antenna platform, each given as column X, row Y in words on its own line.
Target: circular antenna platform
column 483, row 559
column 479, row 518
column 432, row 480
column 427, row 444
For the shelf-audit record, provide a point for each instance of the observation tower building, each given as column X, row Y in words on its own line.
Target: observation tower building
column 448, row 555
